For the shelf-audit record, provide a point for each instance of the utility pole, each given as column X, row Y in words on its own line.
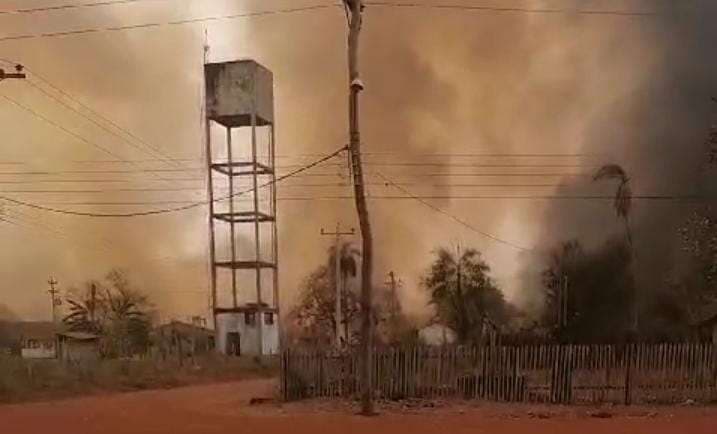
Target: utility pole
column 394, row 306
column 354, row 11
column 93, row 304
column 18, row 74
column 337, row 277
column 53, row 297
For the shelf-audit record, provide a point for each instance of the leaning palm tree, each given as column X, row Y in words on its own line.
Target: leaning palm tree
column 344, row 260
column 623, row 195
column 622, row 205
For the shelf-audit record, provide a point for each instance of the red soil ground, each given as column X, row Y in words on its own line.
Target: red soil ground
column 224, row 408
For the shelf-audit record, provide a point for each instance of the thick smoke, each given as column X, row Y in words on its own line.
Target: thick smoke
column 634, row 91
column 656, row 130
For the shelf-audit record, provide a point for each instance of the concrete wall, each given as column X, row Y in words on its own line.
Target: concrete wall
column 249, row 334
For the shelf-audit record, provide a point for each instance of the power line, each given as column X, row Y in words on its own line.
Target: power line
column 85, row 181
column 96, row 172
column 70, row 132
column 110, row 122
column 196, row 169
column 103, row 127
column 86, row 31
column 476, row 8
column 60, row 127
column 453, row 217
column 171, row 210
column 70, row 6
column 325, row 185
column 659, row 198
column 401, row 155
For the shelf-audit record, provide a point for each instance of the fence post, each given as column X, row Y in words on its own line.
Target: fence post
column 628, row 382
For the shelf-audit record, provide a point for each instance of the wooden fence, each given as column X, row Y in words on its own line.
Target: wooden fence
column 635, row 373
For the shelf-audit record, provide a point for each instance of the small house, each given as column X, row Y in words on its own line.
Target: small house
column 177, row 337
column 78, row 347
column 37, row 340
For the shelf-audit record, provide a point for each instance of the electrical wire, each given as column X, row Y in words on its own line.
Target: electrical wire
column 60, row 127
column 70, row 6
column 657, row 198
column 453, row 217
column 197, row 20
column 325, row 185
column 478, row 8
column 163, row 158
column 172, row 210
column 474, row 8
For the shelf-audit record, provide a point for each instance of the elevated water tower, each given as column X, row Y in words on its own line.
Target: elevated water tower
column 239, row 123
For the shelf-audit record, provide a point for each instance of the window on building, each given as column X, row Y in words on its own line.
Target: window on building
column 249, row 318
column 269, row 318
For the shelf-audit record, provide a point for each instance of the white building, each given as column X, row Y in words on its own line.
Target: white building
column 238, row 330
column 38, row 340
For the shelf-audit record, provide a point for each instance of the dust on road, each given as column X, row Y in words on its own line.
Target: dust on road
column 223, row 408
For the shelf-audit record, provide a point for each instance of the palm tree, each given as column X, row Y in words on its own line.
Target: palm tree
column 622, row 202
column 84, row 315
column 348, row 264
column 128, row 324
column 622, row 205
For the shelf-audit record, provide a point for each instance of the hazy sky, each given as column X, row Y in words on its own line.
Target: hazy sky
column 438, row 81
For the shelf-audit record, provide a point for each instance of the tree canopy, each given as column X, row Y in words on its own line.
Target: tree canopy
column 599, row 289
column 463, row 294
column 113, row 309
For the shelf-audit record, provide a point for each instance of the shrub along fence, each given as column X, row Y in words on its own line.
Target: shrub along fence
column 552, row 373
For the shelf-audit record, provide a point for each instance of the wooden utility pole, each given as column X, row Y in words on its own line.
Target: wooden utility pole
column 337, row 277
column 53, row 298
column 354, row 9
column 394, row 306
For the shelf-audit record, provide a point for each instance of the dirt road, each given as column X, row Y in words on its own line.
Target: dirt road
column 223, row 408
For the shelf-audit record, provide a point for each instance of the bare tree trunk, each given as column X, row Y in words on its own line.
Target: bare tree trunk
column 361, row 206
column 635, row 296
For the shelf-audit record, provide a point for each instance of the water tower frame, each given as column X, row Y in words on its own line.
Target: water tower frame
column 239, row 95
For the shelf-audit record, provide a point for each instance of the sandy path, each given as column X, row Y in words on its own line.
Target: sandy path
column 223, row 408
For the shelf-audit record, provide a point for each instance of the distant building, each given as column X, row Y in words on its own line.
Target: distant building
column 190, row 339
column 78, row 347
column 37, row 340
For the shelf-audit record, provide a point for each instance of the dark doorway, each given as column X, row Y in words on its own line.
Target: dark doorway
column 233, row 344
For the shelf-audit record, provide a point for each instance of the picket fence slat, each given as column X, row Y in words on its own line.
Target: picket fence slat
column 635, row 373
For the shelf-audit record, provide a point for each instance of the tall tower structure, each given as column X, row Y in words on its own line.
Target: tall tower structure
column 240, row 153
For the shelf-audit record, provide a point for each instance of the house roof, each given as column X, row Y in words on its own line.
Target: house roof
column 78, row 336
column 183, row 326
